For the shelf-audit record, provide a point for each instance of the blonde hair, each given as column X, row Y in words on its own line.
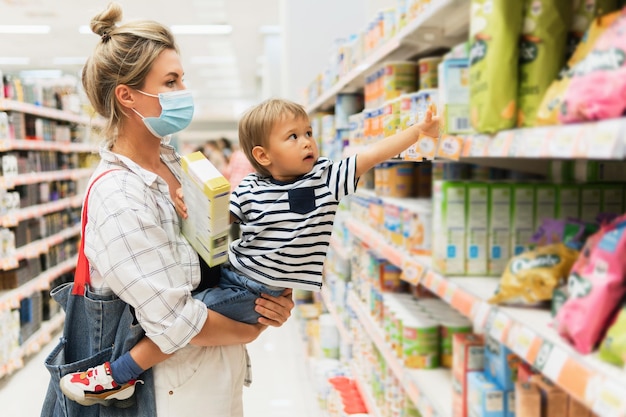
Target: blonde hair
column 256, row 126
column 124, row 55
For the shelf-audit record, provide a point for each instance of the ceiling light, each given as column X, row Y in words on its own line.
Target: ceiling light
column 69, row 60
column 201, row 29
column 213, row 59
column 25, row 29
column 14, row 60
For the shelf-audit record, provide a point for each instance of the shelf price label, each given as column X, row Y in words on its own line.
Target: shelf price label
column 498, row 325
column 522, row 340
column 476, row 146
column 450, row 147
column 412, row 271
column 500, row 145
column 603, row 141
column 564, row 143
column 480, row 314
column 610, row 400
column 427, row 147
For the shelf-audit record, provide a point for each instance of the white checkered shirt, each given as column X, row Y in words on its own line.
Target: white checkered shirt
column 135, row 248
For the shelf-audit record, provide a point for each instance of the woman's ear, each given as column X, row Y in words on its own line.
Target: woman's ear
column 261, row 156
column 124, row 96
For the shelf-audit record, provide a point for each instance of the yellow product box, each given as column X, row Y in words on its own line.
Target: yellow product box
column 207, row 196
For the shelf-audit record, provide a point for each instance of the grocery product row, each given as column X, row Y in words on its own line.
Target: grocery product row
column 505, row 91
column 46, row 146
column 413, row 352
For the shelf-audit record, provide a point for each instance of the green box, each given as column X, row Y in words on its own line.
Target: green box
column 500, row 196
column 612, row 198
column 522, row 217
column 545, row 203
column 449, row 227
column 477, row 220
column 207, row 197
column 590, row 202
column 568, row 201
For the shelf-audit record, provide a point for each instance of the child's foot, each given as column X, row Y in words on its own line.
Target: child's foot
column 96, row 386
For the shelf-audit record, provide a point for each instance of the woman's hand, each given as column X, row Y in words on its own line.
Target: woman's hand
column 179, row 203
column 275, row 310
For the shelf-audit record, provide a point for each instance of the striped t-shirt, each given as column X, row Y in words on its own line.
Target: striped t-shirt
column 286, row 227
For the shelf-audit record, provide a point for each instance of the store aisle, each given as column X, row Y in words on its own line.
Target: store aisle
column 281, row 384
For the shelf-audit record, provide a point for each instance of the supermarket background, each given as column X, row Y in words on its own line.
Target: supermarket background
column 480, row 273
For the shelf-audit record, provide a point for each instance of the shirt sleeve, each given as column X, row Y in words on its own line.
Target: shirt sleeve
column 342, row 179
column 127, row 243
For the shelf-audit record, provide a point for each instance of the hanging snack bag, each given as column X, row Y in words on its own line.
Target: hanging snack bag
column 548, row 113
column 542, row 53
column 613, row 347
column 531, row 277
column 597, row 89
column 595, row 288
column 495, row 27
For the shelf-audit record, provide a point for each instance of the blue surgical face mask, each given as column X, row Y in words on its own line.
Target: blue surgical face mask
column 176, row 113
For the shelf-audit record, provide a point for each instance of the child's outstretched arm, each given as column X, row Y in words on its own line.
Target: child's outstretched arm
column 390, row 146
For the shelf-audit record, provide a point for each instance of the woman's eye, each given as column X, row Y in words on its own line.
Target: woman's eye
column 171, row 83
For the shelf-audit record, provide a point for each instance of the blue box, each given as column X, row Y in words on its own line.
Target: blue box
column 484, row 397
column 500, row 364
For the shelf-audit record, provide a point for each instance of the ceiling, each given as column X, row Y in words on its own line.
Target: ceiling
column 224, row 71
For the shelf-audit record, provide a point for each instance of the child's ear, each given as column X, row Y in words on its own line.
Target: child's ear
column 261, row 156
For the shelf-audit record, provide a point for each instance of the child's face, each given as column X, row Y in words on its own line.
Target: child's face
column 292, row 150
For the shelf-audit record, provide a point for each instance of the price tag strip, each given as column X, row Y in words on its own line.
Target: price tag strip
column 450, row 147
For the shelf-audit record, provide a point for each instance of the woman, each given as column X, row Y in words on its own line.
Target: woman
column 134, row 79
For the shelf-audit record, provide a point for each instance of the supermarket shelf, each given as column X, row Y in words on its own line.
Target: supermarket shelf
column 443, row 23
column 48, row 113
column 338, row 248
column 527, row 332
column 38, row 247
column 430, row 390
column 11, row 298
column 11, row 181
column 33, row 344
column 365, row 391
column 605, row 139
column 40, row 145
column 344, row 334
column 31, row 212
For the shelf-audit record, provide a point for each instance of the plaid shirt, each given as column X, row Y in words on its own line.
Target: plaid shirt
column 135, row 249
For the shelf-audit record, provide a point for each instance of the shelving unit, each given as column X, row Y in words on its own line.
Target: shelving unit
column 11, row 299
column 527, row 332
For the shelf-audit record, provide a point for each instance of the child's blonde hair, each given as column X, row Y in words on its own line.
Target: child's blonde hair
column 256, row 126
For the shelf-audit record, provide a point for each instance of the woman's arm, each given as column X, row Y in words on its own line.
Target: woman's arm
column 218, row 330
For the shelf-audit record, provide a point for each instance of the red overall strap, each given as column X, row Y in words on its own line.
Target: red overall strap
column 81, row 274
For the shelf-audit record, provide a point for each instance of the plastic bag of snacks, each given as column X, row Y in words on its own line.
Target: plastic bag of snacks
column 613, row 347
column 595, row 287
column 495, row 26
column 597, row 89
column 531, row 277
column 548, row 113
column 543, row 49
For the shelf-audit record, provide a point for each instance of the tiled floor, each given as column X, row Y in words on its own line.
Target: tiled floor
column 281, row 384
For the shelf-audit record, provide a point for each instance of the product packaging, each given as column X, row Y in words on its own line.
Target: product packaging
column 476, row 229
column 449, row 227
column 207, row 197
column 468, row 355
column 500, row 364
column 499, row 250
column 613, row 347
column 495, row 26
column 454, row 96
column 554, row 400
column 527, row 400
column 484, row 398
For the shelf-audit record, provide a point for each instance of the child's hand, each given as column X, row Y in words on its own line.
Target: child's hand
column 430, row 125
column 179, row 203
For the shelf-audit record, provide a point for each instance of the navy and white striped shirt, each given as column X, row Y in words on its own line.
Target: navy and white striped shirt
column 286, row 227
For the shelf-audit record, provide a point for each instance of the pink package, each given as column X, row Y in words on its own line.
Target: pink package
column 595, row 287
column 598, row 86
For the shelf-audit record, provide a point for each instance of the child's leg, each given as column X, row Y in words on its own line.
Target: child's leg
column 114, row 381
column 144, row 355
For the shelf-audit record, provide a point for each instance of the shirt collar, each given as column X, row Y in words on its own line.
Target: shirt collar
column 168, row 155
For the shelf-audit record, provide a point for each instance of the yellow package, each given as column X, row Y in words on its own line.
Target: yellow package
column 531, row 277
column 495, row 27
column 542, row 53
column 548, row 113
